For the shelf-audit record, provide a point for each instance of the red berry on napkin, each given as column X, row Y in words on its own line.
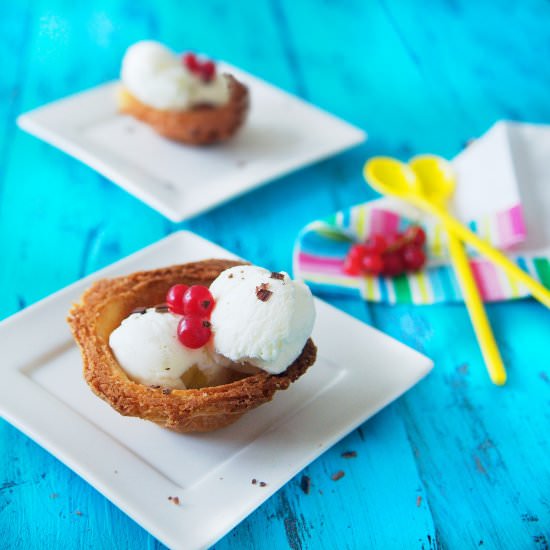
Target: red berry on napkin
column 414, row 257
column 393, row 264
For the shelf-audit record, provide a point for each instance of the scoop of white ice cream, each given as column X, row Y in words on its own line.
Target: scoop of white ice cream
column 261, row 318
column 157, row 77
column 147, row 347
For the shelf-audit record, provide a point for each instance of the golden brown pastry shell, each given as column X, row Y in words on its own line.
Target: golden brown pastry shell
column 108, row 301
column 202, row 125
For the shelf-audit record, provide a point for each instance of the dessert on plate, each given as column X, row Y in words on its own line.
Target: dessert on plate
column 183, row 98
column 193, row 347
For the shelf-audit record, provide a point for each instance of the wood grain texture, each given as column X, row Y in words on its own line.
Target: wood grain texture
column 456, row 462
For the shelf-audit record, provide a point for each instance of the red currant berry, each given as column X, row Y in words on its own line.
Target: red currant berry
column 174, row 298
column 208, row 70
column 414, row 257
column 393, row 264
column 198, row 301
column 415, row 235
column 191, row 62
column 376, row 243
column 357, row 251
column 352, row 265
column 372, row 264
column 394, row 242
column 194, row 332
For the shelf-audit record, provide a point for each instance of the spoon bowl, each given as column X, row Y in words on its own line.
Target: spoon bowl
column 435, row 176
column 391, row 177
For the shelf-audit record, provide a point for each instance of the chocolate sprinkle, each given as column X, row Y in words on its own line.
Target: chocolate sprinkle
column 140, row 310
column 276, row 275
column 162, row 308
column 166, row 391
column 305, row 484
column 230, row 276
column 263, row 484
column 254, row 481
column 206, row 324
column 349, row 454
column 155, row 387
column 338, row 475
column 262, row 292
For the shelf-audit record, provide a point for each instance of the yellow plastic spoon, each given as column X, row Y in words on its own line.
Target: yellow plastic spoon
column 436, row 182
column 391, row 177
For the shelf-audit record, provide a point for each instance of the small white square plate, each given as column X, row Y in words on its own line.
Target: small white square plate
column 282, row 133
column 138, row 465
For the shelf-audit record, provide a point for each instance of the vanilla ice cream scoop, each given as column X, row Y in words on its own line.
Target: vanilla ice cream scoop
column 260, row 318
column 147, row 347
column 156, row 76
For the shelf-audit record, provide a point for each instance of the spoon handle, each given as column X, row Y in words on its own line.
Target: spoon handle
column 476, row 310
column 538, row 291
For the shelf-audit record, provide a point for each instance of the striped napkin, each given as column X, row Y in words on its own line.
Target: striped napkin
column 322, row 246
column 490, row 182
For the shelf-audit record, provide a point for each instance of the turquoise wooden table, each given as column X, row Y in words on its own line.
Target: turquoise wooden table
column 456, row 462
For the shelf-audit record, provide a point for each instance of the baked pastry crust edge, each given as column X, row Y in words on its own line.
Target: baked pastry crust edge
column 101, row 309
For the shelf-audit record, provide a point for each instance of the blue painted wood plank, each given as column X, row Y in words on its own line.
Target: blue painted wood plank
column 490, row 441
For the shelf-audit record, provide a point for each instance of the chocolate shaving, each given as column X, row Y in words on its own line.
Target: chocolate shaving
column 262, row 292
column 305, row 484
column 260, row 483
column 337, row 475
column 349, row 454
column 276, row 275
column 166, row 391
column 159, row 308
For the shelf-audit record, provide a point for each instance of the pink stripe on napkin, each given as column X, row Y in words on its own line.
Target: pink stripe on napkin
column 320, row 264
column 511, row 228
column 518, row 223
column 487, row 280
column 383, row 221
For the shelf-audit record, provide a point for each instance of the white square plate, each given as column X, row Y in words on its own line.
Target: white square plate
column 138, row 465
column 281, row 134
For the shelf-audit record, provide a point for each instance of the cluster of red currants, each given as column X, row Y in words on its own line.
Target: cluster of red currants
column 204, row 69
column 195, row 303
column 388, row 255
